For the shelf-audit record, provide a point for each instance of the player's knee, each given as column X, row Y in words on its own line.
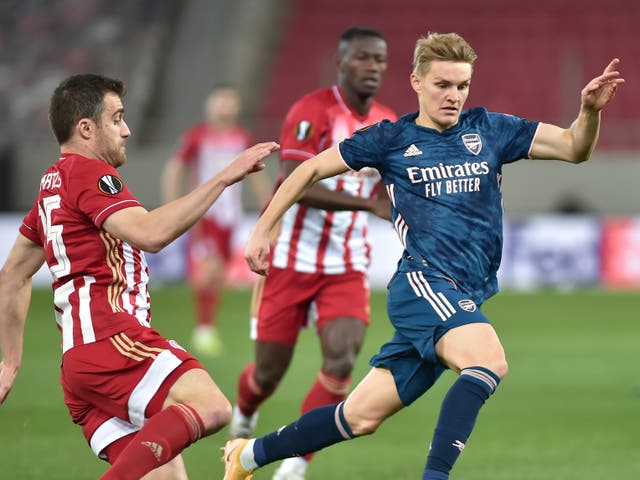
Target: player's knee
column 339, row 360
column 339, row 367
column 498, row 366
column 503, row 369
column 216, row 415
column 267, row 377
column 493, row 360
column 364, row 425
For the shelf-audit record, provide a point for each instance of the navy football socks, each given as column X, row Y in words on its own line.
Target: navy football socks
column 313, row 431
column 458, row 415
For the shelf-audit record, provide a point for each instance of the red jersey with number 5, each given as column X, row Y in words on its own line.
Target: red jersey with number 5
column 99, row 281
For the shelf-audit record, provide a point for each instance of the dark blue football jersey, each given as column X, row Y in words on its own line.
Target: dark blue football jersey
column 445, row 190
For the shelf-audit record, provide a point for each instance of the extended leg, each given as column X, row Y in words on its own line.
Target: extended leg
column 195, row 407
column 371, row 402
column 475, row 352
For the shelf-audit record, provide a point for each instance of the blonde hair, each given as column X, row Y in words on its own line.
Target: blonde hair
column 441, row 46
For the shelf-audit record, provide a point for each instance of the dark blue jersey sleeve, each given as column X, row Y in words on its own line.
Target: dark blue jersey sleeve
column 365, row 147
column 514, row 134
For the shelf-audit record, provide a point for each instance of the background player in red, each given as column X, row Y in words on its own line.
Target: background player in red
column 206, row 149
column 321, row 253
column 139, row 398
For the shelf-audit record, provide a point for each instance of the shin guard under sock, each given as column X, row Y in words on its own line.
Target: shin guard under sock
column 161, row 438
column 313, row 431
column 457, row 418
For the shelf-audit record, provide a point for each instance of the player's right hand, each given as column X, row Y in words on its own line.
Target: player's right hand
column 7, row 377
column 248, row 161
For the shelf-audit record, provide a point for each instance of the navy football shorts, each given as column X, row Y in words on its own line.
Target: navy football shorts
column 422, row 308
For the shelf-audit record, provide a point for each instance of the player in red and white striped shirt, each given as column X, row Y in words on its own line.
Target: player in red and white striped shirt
column 321, row 254
column 139, row 398
column 205, row 149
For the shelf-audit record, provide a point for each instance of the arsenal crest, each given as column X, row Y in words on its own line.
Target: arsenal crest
column 473, row 142
column 467, row 305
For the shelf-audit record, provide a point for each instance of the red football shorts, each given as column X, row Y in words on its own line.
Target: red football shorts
column 289, row 298
column 113, row 385
column 207, row 237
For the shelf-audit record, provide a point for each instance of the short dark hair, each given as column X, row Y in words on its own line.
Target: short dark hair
column 78, row 97
column 352, row 32
column 355, row 32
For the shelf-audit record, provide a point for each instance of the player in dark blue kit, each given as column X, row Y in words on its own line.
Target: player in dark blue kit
column 442, row 168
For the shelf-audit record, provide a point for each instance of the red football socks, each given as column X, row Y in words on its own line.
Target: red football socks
column 250, row 394
column 161, row 438
column 206, row 306
column 326, row 390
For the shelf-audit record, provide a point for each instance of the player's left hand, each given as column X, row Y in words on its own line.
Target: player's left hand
column 599, row 91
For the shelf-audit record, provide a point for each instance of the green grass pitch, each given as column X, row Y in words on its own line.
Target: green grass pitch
column 568, row 410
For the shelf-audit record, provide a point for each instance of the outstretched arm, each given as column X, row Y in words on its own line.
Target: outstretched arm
column 321, row 197
column 261, row 187
column 576, row 143
column 24, row 260
column 153, row 230
column 324, row 165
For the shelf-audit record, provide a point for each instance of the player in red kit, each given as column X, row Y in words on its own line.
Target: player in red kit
column 139, row 397
column 321, row 253
column 206, row 149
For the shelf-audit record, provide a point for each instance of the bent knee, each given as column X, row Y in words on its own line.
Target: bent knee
column 215, row 415
column 498, row 366
column 497, row 363
column 364, row 426
column 340, row 367
column 272, row 362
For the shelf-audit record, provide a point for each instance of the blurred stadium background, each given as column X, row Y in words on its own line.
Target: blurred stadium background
column 572, row 234
column 533, row 61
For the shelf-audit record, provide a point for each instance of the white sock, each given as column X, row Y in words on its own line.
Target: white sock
column 295, row 463
column 247, row 460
